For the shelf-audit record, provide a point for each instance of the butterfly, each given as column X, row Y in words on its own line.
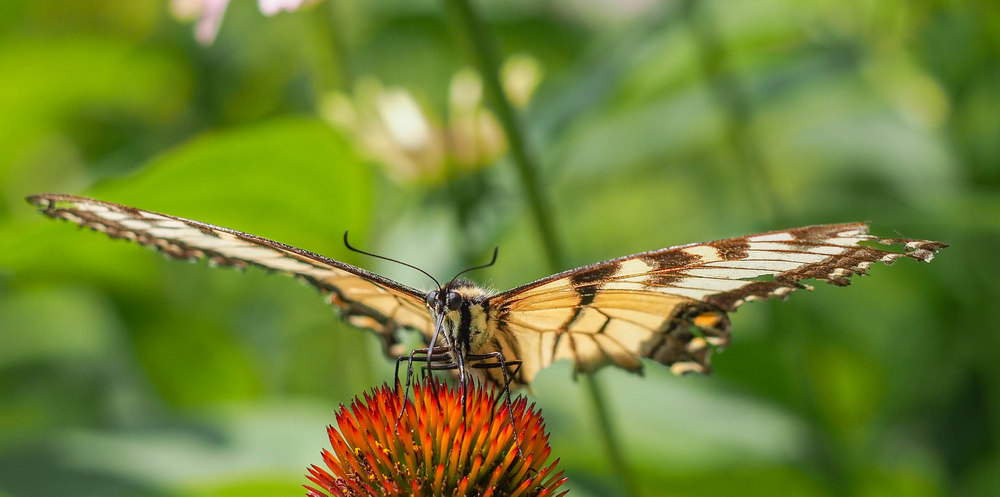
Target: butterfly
column 669, row 305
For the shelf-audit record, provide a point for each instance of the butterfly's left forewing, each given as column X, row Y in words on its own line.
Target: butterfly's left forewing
column 671, row 305
column 365, row 299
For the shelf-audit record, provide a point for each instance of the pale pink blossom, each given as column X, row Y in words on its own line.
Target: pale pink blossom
column 271, row 7
column 208, row 14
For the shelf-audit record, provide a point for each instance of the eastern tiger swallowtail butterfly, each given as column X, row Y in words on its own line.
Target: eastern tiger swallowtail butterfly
column 669, row 305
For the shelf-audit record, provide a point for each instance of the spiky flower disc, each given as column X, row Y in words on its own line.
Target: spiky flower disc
column 437, row 448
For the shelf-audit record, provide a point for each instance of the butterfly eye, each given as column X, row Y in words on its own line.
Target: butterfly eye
column 454, row 301
column 432, row 298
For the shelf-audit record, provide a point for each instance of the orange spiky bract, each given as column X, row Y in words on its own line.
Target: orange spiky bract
column 436, row 450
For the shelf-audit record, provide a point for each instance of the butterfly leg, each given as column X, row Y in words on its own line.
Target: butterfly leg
column 508, row 376
column 437, row 331
column 430, row 355
column 442, row 367
column 440, row 354
column 462, row 380
column 438, row 367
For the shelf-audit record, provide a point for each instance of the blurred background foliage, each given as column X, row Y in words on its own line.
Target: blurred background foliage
column 656, row 123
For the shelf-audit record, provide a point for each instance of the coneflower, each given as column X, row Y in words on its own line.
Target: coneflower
column 438, row 447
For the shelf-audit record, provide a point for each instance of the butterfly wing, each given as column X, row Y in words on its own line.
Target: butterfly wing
column 671, row 305
column 366, row 300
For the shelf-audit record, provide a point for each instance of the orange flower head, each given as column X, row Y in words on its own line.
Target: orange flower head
column 438, row 447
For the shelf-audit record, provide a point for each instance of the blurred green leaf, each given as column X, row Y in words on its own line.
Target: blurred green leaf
column 52, row 82
column 84, row 327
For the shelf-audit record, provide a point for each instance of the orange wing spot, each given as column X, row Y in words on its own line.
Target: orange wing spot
column 707, row 320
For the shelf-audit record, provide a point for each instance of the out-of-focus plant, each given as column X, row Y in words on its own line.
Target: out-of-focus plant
column 394, row 129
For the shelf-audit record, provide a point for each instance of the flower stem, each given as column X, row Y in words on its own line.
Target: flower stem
column 485, row 56
column 486, row 60
column 338, row 45
column 734, row 100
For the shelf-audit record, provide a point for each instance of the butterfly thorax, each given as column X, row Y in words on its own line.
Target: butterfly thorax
column 464, row 308
column 470, row 326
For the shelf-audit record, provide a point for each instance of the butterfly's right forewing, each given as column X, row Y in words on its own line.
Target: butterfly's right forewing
column 365, row 299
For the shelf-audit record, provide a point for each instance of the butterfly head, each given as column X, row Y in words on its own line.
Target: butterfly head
column 459, row 309
column 452, row 297
column 458, row 294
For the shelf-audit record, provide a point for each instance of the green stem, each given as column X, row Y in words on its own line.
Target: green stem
column 485, row 55
column 734, row 101
column 345, row 72
column 608, row 435
column 486, row 60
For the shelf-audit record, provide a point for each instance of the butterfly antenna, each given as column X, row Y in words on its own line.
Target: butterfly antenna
column 493, row 261
column 384, row 258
